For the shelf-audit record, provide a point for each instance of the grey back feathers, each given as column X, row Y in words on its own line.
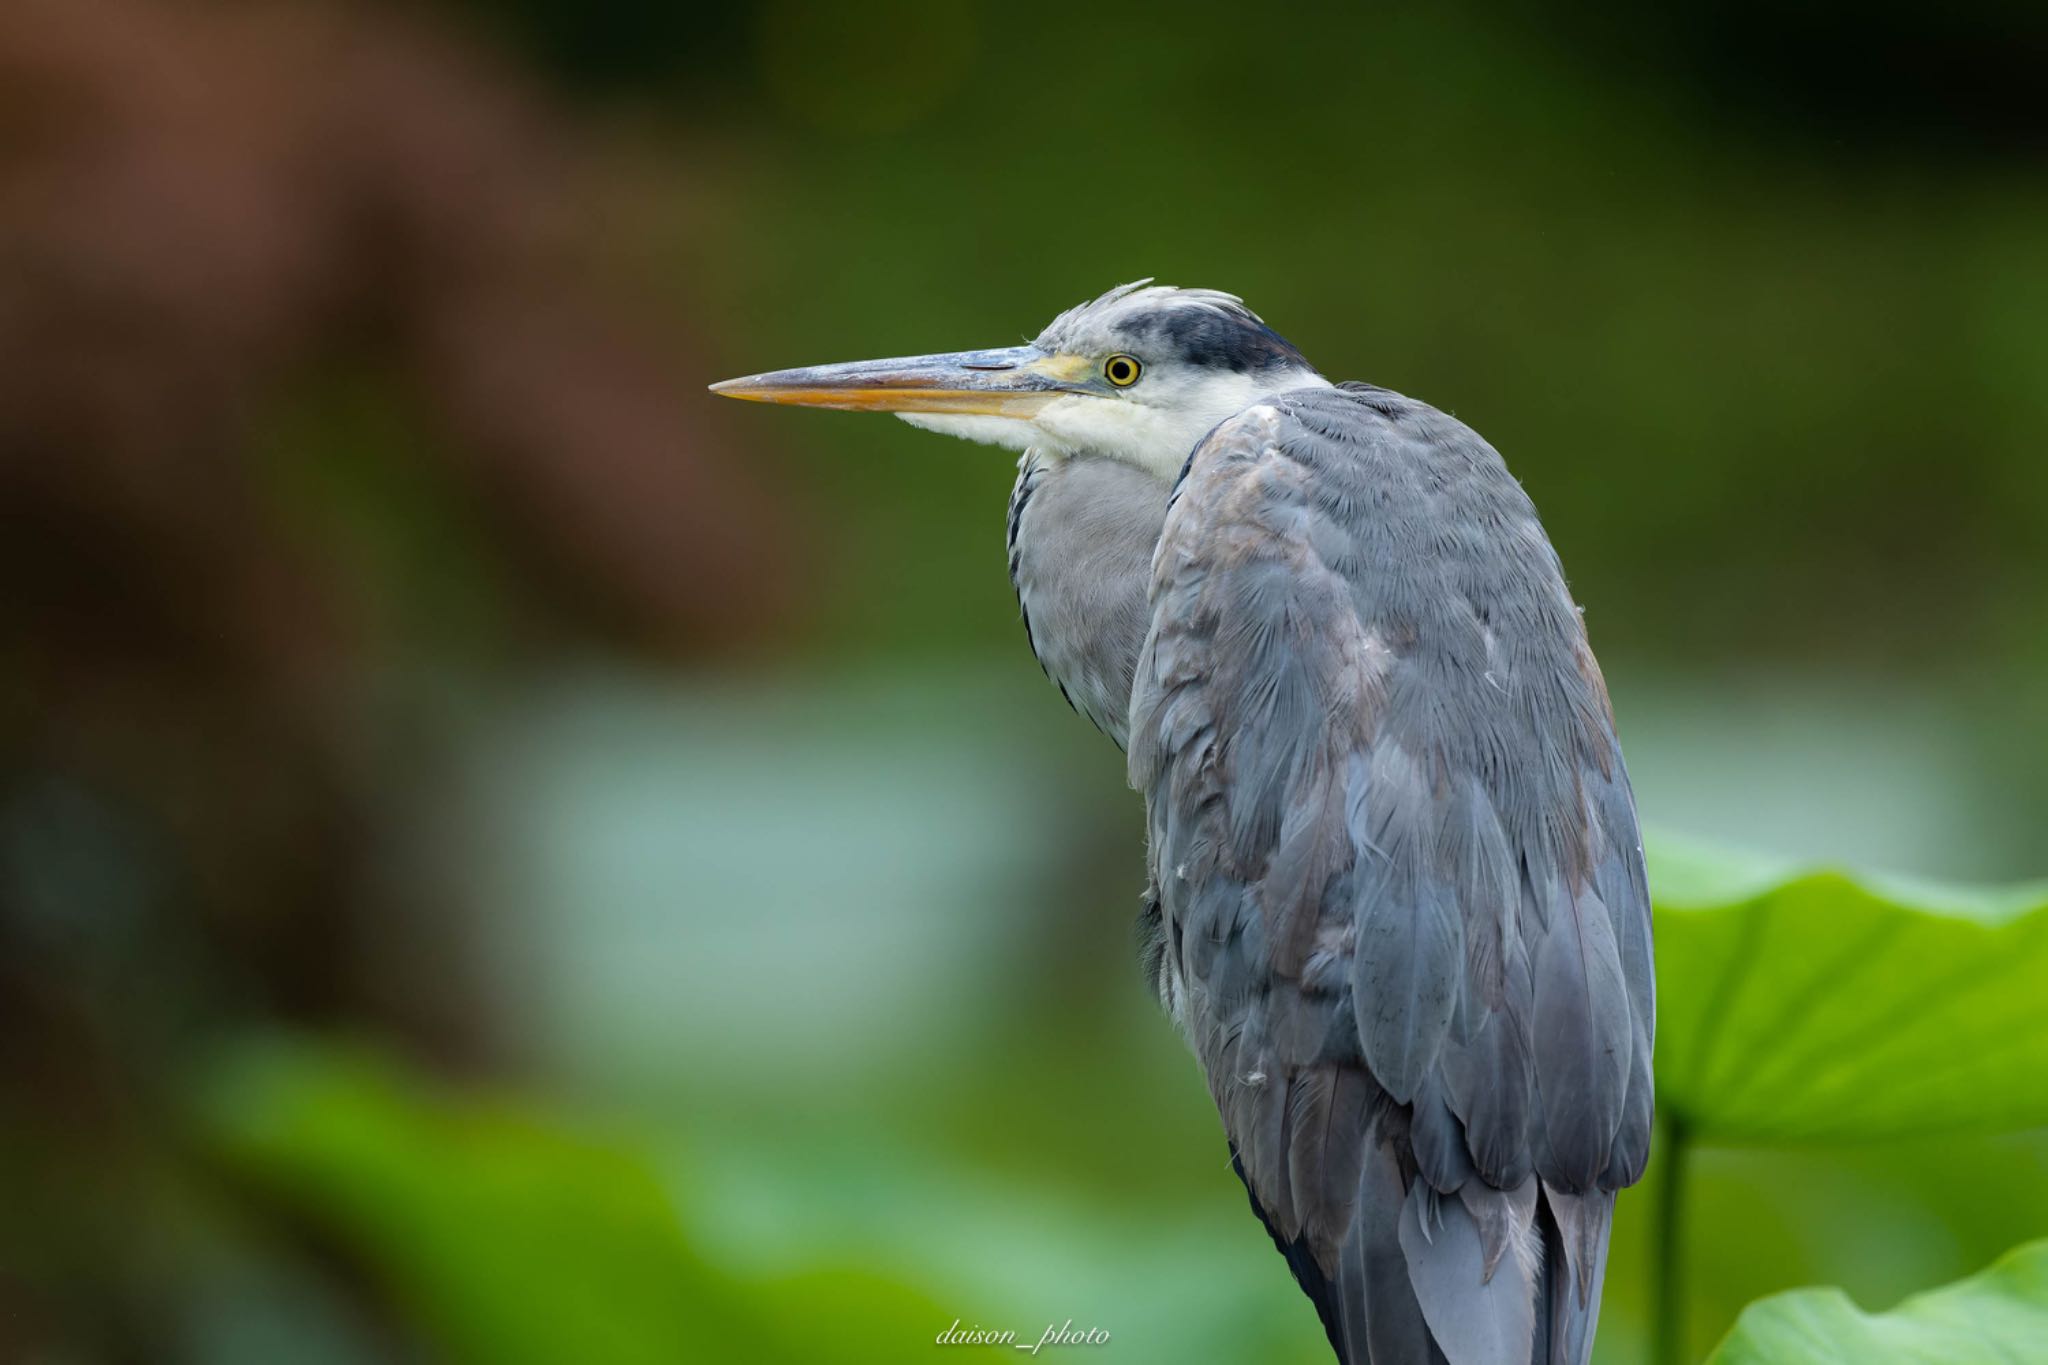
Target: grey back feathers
column 1399, row 873
column 1400, row 897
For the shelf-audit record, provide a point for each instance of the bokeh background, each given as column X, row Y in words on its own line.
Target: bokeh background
column 505, row 858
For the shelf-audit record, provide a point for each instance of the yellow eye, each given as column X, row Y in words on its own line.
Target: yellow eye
column 1121, row 370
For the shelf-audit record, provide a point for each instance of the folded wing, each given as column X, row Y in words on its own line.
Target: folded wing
column 1400, row 881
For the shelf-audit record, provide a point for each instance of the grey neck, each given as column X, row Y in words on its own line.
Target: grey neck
column 1082, row 531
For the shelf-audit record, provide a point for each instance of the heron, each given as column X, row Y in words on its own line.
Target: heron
column 1397, row 903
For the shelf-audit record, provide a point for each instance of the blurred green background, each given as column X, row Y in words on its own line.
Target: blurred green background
column 503, row 858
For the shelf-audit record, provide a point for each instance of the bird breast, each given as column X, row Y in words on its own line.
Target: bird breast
column 1082, row 530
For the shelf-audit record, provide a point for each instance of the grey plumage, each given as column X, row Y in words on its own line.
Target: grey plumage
column 1081, row 534
column 1394, row 849
column 1397, row 894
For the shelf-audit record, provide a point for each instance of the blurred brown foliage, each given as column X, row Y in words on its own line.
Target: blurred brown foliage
column 207, row 211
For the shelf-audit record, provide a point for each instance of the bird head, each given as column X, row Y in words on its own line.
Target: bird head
column 1139, row 375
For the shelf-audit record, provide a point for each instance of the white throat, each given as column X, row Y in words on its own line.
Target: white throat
column 1154, row 430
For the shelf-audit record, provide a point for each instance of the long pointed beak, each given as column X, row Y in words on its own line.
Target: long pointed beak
column 1006, row 383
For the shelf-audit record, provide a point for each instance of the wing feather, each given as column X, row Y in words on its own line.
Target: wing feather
column 1405, row 921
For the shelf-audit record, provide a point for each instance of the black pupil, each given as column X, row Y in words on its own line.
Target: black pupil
column 1120, row 370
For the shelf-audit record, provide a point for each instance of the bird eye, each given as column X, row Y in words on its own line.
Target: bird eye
column 1121, row 370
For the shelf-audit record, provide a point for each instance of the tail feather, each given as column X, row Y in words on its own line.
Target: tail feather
column 1477, row 1318
column 1381, row 1316
column 1575, row 1234
column 1301, row 1260
column 1478, row 1277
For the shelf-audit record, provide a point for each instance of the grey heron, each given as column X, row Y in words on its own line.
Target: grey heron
column 1397, row 902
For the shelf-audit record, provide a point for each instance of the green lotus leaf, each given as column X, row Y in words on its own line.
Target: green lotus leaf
column 1816, row 1005
column 1998, row 1316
